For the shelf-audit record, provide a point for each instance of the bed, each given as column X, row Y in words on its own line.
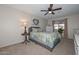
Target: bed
column 45, row 39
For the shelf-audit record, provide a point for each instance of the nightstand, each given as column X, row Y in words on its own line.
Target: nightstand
column 25, row 34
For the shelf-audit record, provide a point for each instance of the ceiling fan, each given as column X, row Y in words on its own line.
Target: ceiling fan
column 50, row 10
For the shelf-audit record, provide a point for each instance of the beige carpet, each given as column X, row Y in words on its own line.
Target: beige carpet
column 65, row 47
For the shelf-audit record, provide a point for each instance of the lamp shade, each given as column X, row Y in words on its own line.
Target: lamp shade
column 23, row 22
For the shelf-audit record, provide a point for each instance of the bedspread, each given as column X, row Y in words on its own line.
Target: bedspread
column 49, row 39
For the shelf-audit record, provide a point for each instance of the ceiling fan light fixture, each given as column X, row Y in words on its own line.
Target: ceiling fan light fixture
column 50, row 12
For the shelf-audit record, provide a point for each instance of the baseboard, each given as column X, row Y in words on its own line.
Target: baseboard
column 14, row 43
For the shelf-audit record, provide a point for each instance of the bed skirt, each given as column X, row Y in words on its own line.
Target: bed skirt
column 45, row 46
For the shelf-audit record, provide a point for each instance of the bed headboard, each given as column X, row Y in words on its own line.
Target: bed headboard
column 31, row 29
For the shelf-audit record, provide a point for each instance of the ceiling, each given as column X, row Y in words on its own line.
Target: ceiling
column 34, row 9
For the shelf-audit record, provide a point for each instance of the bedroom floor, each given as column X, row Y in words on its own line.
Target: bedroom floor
column 65, row 47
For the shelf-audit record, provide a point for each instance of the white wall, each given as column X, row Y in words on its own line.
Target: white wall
column 10, row 30
column 73, row 23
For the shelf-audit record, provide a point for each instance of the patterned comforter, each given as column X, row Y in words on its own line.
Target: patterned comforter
column 49, row 39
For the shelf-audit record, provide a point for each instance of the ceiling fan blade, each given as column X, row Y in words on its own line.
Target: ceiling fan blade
column 44, row 10
column 46, row 13
column 51, row 5
column 57, row 9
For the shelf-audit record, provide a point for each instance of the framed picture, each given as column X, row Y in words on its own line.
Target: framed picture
column 36, row 21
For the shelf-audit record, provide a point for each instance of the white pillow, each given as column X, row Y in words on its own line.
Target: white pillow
column 49, row 29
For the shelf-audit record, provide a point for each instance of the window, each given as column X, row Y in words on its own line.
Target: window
column 61, row 26
column 57, row 26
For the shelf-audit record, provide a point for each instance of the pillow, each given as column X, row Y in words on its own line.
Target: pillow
column 49, row 29
column 34, row 30
column 39, row 30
